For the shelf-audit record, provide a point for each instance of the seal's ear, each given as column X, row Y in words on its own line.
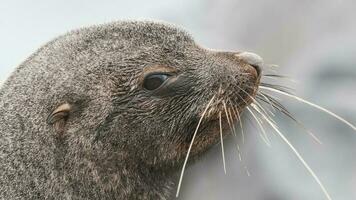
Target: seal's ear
column 58, row 118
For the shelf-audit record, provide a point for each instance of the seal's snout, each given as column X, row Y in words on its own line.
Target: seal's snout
column 252, row 59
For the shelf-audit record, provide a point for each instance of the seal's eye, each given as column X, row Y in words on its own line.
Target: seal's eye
column 154, row 81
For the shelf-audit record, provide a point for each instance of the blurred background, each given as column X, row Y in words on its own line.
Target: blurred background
column 312, row 41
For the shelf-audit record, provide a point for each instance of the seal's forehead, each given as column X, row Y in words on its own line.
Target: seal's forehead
column 143, row 31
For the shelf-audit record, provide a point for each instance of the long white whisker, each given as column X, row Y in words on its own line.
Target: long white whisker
column 316, row 139
column 238, row 151
column 258, row 104
column 222, row 143
column 191, row 144
column 236, row 113
column 242, row 129
column 232, row 119
column 264, row 135
column 256, row 107
column 247, row 171
column 243, row 163
column 269, row 102
column 263, row 110
column 228, row 119
column 280, row 78
column 254, row 100
column 237, row 117
column 313, row 105
column 247, row 104
column 299, row 157
column 233, row 112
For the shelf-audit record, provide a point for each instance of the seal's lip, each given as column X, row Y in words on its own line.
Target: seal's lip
column 208, row 134
column 213, row 121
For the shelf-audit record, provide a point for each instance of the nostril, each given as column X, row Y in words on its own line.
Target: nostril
column 252, row 59
column 258, row 69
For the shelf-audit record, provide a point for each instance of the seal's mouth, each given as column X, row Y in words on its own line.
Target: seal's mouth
column 222, row 114
column 230, row 94
column 207, row 135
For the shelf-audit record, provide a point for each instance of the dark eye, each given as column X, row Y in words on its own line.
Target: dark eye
column 154, row 81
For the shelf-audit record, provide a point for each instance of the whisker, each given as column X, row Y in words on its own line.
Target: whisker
column 232, row 121
column 237, row 117
column 237, row 111
column 261, row 107
column 228, row 119
column 271, row 65
column 316, row 139
column 233, row 111
column 264, row 136
column 277, row 105
column 289, row 115
column 311, row 104
column 191, row 144
column 267, row 109
column 260, row 111
column 299, row 157
column 243, row 163
column 268, row 101
column 231, row 117
column 239, row 153
column 222, row 143
column 254, row 100
column 277, row 87
column 276, row 75
column 242, row 129
column 247, row 171
column 279, row 77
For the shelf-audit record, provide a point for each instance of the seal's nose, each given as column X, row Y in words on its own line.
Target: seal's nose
column 252, row 59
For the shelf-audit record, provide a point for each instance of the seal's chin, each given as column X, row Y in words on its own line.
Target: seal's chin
column 208, row 135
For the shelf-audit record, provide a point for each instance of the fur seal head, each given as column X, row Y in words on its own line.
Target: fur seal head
column 124, row 100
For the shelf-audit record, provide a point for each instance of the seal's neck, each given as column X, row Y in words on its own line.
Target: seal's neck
column 110, row 176
column 150, row 184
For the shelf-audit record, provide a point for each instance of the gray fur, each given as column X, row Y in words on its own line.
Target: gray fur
column 120, row 141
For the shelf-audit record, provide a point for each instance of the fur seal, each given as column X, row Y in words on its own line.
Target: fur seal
column 109, row 111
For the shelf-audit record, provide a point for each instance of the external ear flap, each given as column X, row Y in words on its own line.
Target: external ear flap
column 58, row 118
